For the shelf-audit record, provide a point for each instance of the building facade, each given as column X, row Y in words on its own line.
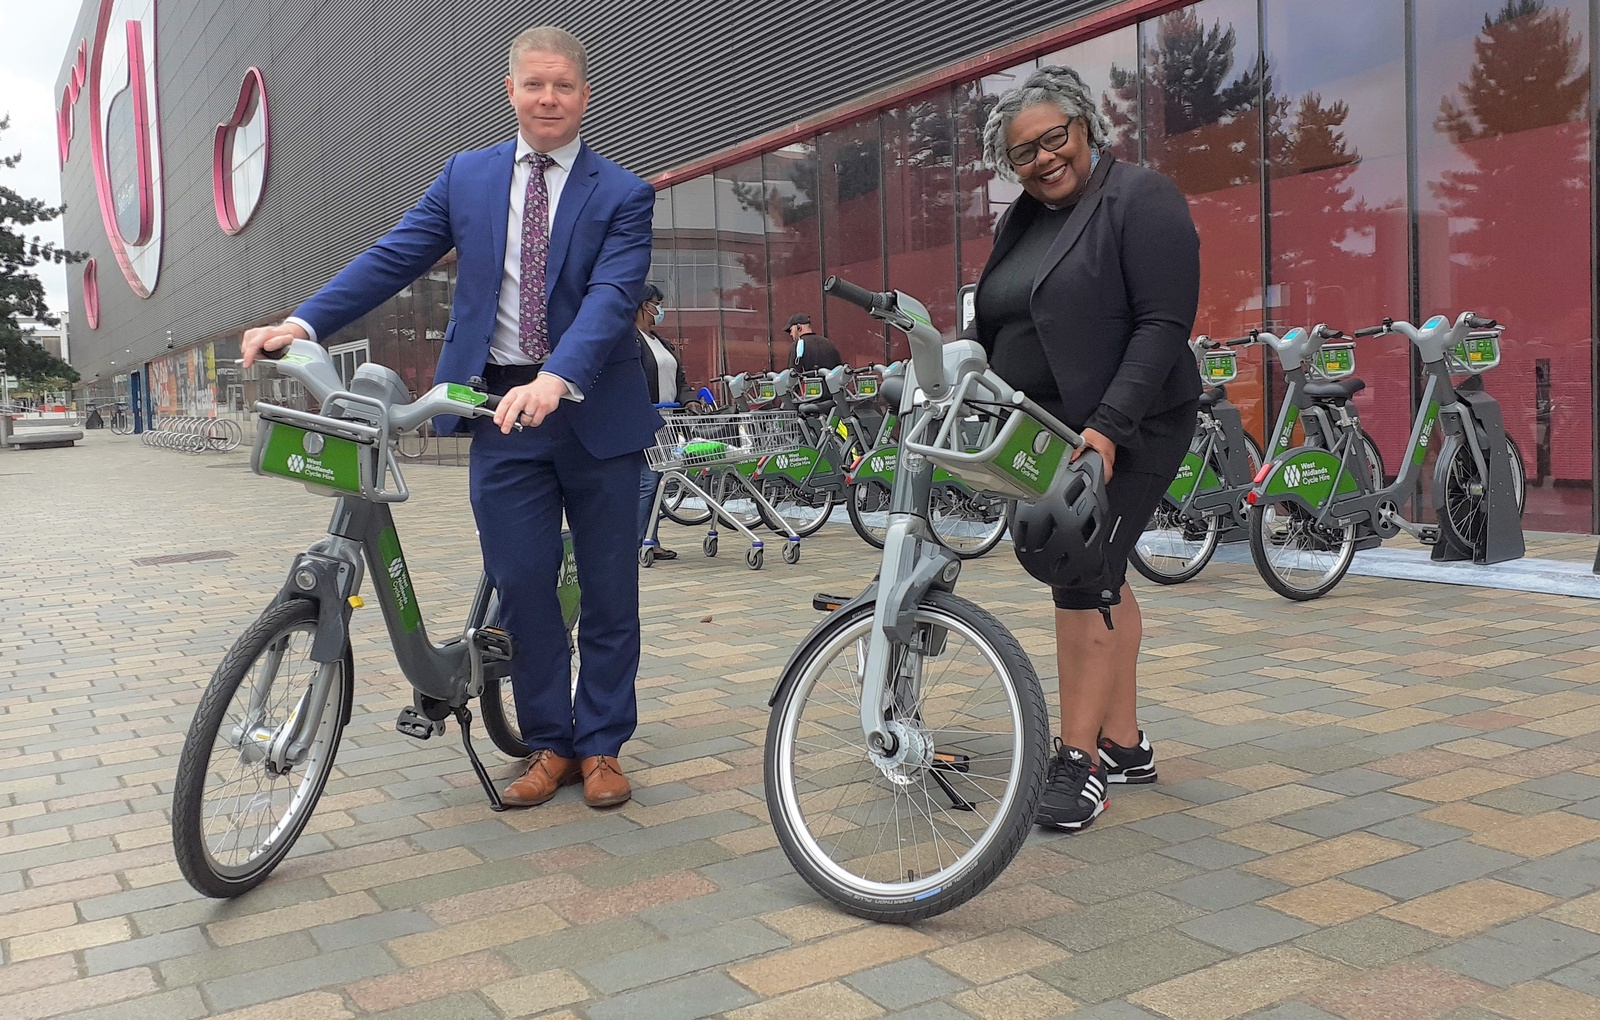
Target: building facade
column 1344, row 160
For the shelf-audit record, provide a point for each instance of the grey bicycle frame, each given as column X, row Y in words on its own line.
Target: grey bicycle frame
column 1433, row 341
column 361, row 535
column 914, row 562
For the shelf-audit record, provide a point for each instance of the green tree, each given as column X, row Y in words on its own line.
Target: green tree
column 21, row 293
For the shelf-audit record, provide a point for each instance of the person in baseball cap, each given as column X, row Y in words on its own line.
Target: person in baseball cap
column 812, row 351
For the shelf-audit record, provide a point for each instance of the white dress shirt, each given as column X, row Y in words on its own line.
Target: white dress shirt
column 505, row 346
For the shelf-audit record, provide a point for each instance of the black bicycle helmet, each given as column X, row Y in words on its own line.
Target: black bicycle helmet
column 1060, row 538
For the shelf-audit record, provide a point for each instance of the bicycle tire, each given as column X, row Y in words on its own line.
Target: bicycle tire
column 672, row 505
column 942, row 618
column 1145, row 558
column 196, row 859
column 497, row 708
column 807, row 511
column 868, row 498
column 1278, row 521
column 992, row 514
column 1459, row 507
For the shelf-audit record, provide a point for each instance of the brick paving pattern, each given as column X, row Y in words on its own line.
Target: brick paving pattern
column 1380, row 806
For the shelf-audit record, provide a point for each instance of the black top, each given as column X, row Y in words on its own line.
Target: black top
column 1113, row 303
column 1003, row 305
column 820, row 354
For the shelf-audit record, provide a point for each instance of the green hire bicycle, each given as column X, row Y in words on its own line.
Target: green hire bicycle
column 262, row 743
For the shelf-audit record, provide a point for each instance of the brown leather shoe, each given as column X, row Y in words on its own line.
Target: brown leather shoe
column 547, row 773
column 604, row 785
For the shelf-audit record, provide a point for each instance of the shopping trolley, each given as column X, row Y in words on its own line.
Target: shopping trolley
column 722, row 444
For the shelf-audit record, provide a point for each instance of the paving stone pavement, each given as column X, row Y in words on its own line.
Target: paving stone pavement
column 1380, row 806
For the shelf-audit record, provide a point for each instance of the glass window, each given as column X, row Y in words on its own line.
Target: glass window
column 919, row 205
column 248, row 155
column 1202, row 122
column 1337, row 162
column 696, row 276
column 794, row 239
column 981, row 196
column 742, row 263
column 852, row 234
column 1109, row 65
column 1504, row 220
column 661, row 261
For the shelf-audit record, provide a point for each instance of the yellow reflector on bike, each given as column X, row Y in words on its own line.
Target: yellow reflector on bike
column 356, row 601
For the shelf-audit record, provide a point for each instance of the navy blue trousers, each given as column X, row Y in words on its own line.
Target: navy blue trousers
column 520, row 484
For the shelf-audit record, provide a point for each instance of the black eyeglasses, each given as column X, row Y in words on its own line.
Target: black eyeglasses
column 1026, row 152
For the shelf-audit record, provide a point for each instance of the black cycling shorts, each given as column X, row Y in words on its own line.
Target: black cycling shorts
column 1133, row 496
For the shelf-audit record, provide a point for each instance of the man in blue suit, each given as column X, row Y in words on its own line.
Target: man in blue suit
column 552, row 244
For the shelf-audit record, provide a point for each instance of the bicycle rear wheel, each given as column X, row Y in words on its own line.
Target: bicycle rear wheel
column 1299, row 558
column 233, row 820
column 906, row 838
column 682, row 506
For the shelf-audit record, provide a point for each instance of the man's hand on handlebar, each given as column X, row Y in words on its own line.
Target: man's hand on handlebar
column 529, row 404
column 267, row 339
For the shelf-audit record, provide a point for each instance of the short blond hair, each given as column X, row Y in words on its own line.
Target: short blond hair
column 550, row 39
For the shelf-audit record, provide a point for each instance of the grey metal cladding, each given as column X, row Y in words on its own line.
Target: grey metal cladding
column 368, row 98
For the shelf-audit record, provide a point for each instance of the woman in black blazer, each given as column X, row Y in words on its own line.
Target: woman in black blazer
column 663, row 373
column 1086, row 305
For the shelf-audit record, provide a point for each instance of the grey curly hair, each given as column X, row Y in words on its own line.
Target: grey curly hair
column 1061, row 87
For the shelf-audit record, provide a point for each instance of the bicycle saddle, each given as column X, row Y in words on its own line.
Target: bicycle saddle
column 1338, row 389
column 892, row 389
column 1213, row 396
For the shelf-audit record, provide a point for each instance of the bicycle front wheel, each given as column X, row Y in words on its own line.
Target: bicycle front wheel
column 1299, row 558
column 802, row 510
column 233, row 818
column 967, row 523
column 868, row 507
column 910, row 836
column 682, row 506
column 1461, row 494
column 1172, row 548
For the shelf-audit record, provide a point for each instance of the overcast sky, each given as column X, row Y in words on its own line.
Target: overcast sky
column 33, row 44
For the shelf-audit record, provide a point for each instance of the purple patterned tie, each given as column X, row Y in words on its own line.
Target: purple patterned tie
column 533, row 332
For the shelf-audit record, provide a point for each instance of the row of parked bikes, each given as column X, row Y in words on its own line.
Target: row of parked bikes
column 1308, row 509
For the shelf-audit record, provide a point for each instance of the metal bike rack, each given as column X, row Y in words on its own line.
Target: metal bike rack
column 1502, row 533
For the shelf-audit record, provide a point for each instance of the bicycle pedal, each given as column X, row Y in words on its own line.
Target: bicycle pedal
column 1429, row 534
column 824, row 603
column 492, row 644
column 414, row 724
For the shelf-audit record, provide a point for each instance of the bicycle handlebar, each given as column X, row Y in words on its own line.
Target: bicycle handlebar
column 1372, row 330
column 1239, row 341
column 1477, row 322
column 861, row 297
column 1329, row 333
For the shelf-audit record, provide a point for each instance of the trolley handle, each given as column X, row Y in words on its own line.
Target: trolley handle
column 861, row 297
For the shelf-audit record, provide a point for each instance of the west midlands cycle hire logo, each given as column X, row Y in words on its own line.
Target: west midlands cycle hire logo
column 297, row 464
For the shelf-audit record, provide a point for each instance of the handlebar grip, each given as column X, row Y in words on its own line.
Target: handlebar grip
column 1478, row 323
column 276, row 355
column 1371, row 331
column 1330, row 334
column 866, row 300
column 1208, row 344
column 1241, row 341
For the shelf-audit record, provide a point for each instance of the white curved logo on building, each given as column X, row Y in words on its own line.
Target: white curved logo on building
column 125, row 137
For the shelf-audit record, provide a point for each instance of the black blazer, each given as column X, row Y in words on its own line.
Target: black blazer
column 1114, row 300
column 652, row 374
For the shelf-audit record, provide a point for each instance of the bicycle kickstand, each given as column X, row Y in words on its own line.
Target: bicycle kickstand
column 464, row 718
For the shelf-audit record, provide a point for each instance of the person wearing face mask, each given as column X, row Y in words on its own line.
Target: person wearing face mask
column 1086, row 305
column 664, row 375
column 812, row 351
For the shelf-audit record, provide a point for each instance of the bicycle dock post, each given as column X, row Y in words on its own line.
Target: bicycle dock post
column 1502, row 533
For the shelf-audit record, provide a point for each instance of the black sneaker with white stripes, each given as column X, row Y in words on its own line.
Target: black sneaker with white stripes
column 1074, row 790
column 1135, row 764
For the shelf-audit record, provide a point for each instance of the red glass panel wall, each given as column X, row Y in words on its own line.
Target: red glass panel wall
column 1109, row 65
column 981, row 196
column 1338, row 219
column 1502, row 108
column 697, row 282
column 742, row 263
column 851, row 165
column 794, row 240
column 1202, row 124
column 920, row 208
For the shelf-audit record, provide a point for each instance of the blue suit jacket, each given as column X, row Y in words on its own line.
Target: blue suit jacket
column 599, row 257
